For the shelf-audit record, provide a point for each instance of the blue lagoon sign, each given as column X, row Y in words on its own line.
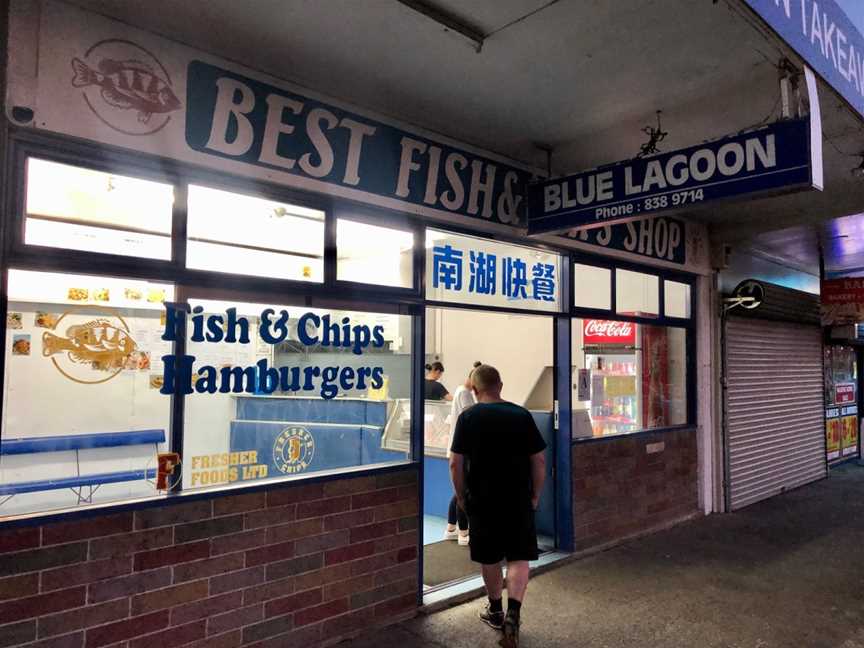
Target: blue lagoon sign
column 772, row 159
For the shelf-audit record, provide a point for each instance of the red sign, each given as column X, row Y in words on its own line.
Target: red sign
column 844, row 393
column 842, row 301
column 606, row 332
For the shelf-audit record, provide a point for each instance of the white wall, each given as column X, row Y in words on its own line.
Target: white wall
column 519, row 346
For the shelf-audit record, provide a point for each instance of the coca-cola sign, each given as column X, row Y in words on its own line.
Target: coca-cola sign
column 607, row 332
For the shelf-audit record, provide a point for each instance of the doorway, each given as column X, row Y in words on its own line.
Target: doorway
column 521, row 347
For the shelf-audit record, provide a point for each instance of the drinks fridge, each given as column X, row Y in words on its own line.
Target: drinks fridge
column 611, row 357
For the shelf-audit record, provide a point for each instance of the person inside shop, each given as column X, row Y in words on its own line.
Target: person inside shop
column 434, row 389
column 457, row 520
column 498, row 466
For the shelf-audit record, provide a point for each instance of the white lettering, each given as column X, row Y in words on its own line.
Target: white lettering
column 842, row 56
column 674, row 179
column 319, row 141
column 629, row 187
column 631, row 239
column 604, row 186
column 431, row 196
column 653, row 176
column 710, row 165
column 767, row 154
column 738, row 161
column 274, row 127
column 407, row 164
column 816, row 29
column 674, row 238
column 551, row 197
column 224, row 110
column 452, row 165
column 661, row 237
column 355, row 147
column 485, row 187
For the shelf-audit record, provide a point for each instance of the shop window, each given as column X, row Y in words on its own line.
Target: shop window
column 375, row 255
column 627, row 377
column 636, row 293
column 677, row 299
column 592, row 287
column 93, row 211
column 289, row 391
column 482, row 272
column 83, row 416
column 230, row 232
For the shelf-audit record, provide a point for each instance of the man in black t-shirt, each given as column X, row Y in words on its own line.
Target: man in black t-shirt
column 498, row 468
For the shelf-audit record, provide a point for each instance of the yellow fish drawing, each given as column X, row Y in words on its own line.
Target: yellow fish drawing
column 97, row 342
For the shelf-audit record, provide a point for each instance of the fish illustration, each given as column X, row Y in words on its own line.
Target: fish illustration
column 128, row 85
column 97, row 342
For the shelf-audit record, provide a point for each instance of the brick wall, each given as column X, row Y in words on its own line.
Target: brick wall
column 621, row 489
column 295, row 565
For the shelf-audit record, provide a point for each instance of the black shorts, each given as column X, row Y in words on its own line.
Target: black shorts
column 502, row 535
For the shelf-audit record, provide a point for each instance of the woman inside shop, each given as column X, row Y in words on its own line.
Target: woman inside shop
column 456, row 517
column 434, row 389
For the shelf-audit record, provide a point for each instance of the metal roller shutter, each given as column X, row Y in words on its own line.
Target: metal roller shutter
column 775, row 428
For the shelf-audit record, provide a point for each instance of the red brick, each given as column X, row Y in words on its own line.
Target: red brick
column 172, row 636
column 86, row 617
column 236, row 580
column 395, row 606
column 375, row 563
column 235, row 619
column 238, row 542
column 294, row 566
column 322, row 507
column 349, row 587
column 375, row 498
column 83, row 573
column 298, row 638
column 293, row 494
column 269, row 553
column 128, row 585
column 207, row 607
column 349, row 486
column 346, row 625
column 270, row 516
column 406, row 553
column 231, row 639
column 371, row 531
column 395, row 542
column 165, row 515
column 209, row 567
column 320, row 612
column 395, row 573
column 239, row 503
column 408, row 523
column 268, row 628
column 19, row 539
column 44, row 558
column 123, row 630
column 208, row 528
column 33, row 606
column 18, row 586
column 73, row 640
column 16, row 634
column 383, row 593
column 396, row 510
column 321, row 542
column 172, row 555
column 129, row 543
column 286, row 604
column 294, row 530
column 348, row 520
column 87, row 528
column 169, row 597
column 351, row 552
column 268, row 591
column 396, row 478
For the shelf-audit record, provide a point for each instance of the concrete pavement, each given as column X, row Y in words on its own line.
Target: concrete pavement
column 785, row 573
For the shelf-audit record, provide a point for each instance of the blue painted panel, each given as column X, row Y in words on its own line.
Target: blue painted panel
column 76, row 482
column 33, row 445
column 371, row 450
column 331, row 446
column 437, row 489
column 311, row 410
column 545, row 517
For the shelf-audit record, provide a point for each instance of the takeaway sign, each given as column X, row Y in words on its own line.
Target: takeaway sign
column 772, row 159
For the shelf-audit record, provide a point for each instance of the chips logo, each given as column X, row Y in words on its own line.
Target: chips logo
column 89, row 347
column 293, row 450
column 125, row 86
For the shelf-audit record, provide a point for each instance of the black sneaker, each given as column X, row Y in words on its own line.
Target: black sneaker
column 511, row 631
column 492, row 619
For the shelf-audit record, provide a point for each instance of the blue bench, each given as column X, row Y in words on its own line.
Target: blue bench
column 76, row 443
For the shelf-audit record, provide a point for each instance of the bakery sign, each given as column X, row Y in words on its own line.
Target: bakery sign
column 606, row 332
column 842, row 301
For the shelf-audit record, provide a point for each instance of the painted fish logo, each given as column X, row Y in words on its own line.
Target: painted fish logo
column 101, row 345
column 126, row 87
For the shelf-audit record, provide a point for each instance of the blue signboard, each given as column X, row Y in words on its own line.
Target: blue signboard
column 234, row 117
column 660, row 237
column 824, row 36
column 773, row 158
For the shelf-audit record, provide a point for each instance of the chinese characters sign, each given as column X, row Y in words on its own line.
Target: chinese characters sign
column 471, row 270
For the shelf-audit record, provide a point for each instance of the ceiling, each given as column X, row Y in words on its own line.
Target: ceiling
column 580, row 76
